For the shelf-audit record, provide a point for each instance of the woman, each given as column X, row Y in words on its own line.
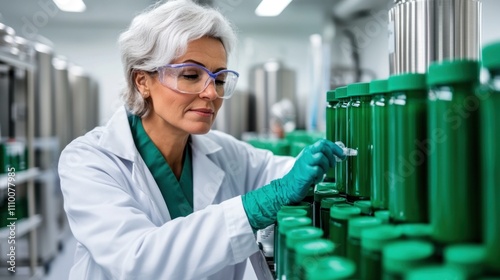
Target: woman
column 155, row 194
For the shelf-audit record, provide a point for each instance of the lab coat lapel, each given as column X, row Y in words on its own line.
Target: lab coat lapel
column 207, row 176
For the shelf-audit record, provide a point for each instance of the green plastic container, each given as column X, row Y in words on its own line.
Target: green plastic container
column 400, row 257
column 294, row 238
column 416, row 231
column 373, row 241
column 359, row 138
column 286, row 225
column 490, row 133
column 454, row 169
column 436, row 272
column 306, row 205
column 356, row 227
column 332, row 101
column 331, row 268
column 339, row 218
column 326, row 205
column 380, row 139
column 341, row 133
column 365, row 206
column 319, row 195
column 469, row 258
column 383, row 215
column 309, row 252
column 407, row 160
column 284, row 213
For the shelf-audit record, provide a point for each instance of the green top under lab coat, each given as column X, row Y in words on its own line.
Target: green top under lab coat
column 178, row 194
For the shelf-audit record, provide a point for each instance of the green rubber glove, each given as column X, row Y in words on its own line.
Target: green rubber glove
column 263, row 204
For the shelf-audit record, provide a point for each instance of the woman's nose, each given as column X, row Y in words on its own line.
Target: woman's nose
column 210, row 91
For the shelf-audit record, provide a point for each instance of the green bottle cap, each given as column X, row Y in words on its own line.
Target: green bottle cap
column 383, row 215
column 436, row 273
column 330, row 96
column 359, row 224
column 364, row 205
column 298, row 235
column 379, row 86
column 402, row 256
column 491, row 56
column 344, row 211
column 341, row 92
column 328, row 202
column 307, row 250
column 410, row 81
column 290, row 212
column 358, row 89
column 324, row 193
column 453, row 71
column 289, row 223
column 330, row 268
column 465, row 254
column 376, row 238
column 416, row 230
column 325, row 186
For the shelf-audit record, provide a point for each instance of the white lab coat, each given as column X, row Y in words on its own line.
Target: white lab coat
column 121, row 222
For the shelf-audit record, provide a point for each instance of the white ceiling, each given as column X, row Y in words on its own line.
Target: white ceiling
column 299, row 16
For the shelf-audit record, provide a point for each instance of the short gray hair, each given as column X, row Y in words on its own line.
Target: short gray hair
column 160, row 34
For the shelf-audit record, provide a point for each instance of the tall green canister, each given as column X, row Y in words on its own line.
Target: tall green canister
column 380, row 140
column 407, row 159
column 341, row 135
column 359, row 138
column 454, row 164
column 490, row 132
column 332, row 101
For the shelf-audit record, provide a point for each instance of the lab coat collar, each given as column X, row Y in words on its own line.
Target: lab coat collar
column 117, row 137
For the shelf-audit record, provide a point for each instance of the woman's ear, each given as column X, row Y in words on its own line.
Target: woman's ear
column 141, row 81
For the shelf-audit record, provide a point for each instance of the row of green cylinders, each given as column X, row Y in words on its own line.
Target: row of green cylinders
column 422, row 197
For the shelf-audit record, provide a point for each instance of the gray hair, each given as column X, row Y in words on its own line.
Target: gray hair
column 161, row 34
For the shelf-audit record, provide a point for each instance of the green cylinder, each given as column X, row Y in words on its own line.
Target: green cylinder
column 356, row 227
column 331, row 268
column 400, row 257
column 341, row 135
column 286, row 225
column 326, row 205
column 416, row 231
column 293, row 238
column 359, row 138
column 332, row 101
column 380, row 140
column 306, row 205
column 454, row 173
column 383, row 215
column 469, row 258
column 283, row 213
column 309, row 252
column 365, row 206
column 373, row 241
column 319, row 195
column 490, row 133
column 407, row 175
column 339, row 217
column 436, row 272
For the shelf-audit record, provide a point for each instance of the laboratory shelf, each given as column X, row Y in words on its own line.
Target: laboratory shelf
column 20, row 177
column 23, row 227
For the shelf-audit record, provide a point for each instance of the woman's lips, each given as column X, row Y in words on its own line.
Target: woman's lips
column 203, row 111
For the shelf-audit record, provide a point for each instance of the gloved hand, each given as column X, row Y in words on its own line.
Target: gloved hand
column 263, row 204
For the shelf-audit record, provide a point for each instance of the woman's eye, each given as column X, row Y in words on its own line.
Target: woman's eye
column 190, row 76
column 220, row 82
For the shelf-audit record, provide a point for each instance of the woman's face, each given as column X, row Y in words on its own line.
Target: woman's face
column 187, row 113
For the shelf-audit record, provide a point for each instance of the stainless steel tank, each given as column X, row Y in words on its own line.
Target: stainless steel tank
column 63, row 101
column 423, row 31
column 270, row 83
column 8, row 49
column 80, row 91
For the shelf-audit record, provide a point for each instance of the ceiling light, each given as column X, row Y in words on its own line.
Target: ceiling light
column 271, row 8
column 75, row 6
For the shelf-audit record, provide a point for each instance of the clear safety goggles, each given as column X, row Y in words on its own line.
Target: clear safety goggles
column 191, row 78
